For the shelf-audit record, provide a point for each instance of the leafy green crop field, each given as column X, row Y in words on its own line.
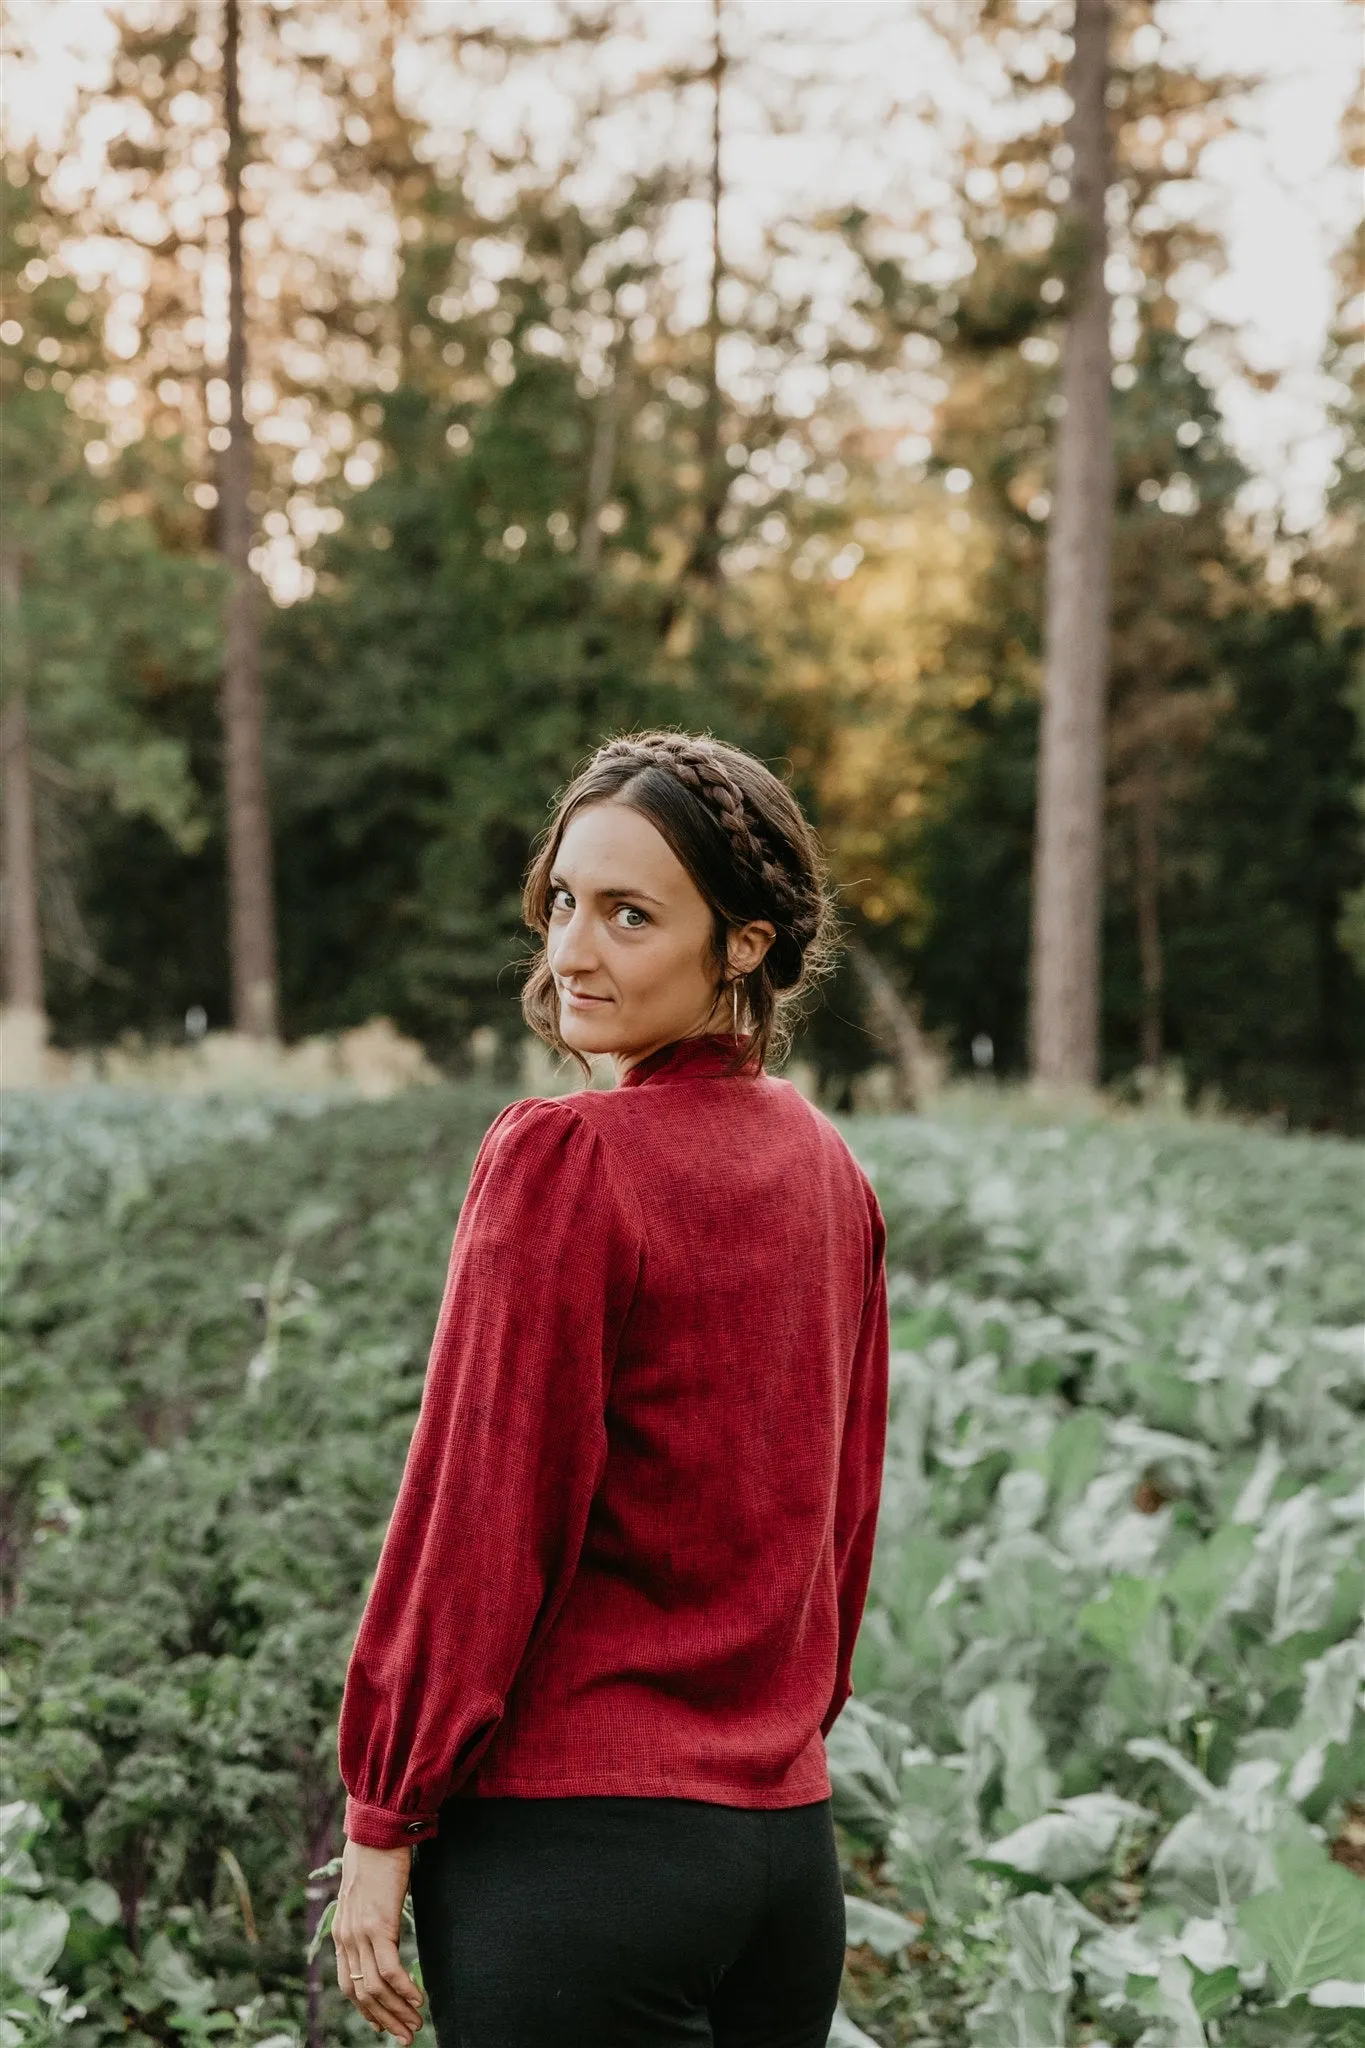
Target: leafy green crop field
column 1103, row 1779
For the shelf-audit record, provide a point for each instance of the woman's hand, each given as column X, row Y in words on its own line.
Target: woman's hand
column 366, row 1927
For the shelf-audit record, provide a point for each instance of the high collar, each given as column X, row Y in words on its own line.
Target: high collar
column 686, row 1059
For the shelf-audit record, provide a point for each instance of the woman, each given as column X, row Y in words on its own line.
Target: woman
column 615, row 1610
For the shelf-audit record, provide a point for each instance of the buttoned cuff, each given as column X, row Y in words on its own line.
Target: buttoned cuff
column 378, row 1827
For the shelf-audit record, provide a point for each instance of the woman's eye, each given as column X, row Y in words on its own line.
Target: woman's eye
column 561, row 898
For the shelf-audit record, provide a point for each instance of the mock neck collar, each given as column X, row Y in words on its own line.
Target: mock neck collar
column 687, row 1059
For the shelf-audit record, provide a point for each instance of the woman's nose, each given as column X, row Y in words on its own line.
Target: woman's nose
column 572, row 950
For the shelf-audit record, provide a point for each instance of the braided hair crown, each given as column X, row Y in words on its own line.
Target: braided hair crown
column 742, row 836
column 775, row 881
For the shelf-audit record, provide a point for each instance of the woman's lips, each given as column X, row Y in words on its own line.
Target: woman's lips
column 576, row 1002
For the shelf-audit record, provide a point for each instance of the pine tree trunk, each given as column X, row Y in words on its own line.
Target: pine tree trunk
column 251, row 909
column 1147, row 901
column 706, row 554
column 26, row 1018
column 713, row 457
column 602, row 465
column 1068, row 844
column 696, row 592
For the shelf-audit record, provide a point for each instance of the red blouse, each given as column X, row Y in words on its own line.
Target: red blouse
column 632, row 1542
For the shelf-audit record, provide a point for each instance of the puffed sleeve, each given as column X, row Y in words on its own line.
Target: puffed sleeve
column 861, row 1455
column 508, row 1450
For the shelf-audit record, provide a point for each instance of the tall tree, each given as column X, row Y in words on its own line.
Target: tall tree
column 1341, row 564
column 23, row 990
column 1069, row 834
column 251, row 905
column 992, row 333
column 706, row 556
column 699, row 581
column 23, row 950
column 107, row 621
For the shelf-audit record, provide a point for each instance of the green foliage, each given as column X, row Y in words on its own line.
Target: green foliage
column 1310, row 1931
column 1253, row 744
column 205, row 1432
column 1291, row 739
column 1106, row 1710
column 467, row 649
column 111, row 608
column 1117, row 1715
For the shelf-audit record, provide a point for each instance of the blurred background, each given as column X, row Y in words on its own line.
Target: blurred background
column 400, row 398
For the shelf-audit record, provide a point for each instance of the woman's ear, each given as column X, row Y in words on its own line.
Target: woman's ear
column 748, row 945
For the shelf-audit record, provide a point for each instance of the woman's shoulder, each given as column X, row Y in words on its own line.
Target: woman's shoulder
column 827, row 1134
column 538, row 1153
column 534, row 1122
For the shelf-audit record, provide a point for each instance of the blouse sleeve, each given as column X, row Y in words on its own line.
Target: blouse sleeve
column 861, row 1456
column 506, row 1455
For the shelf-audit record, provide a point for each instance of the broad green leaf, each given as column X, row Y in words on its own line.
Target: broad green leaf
column 1148, row 1685
column 999, row 1730
column 1206, row 1944
column 877, row 1927
column 1209, row 1862
column 1118, row 1618
column 1311, row 1932
column 1181, row 2024
column 1296, row 1849
column 20, row 1821
column 1074, row 1842
column 1111, row 1959
column 906, row 1580
column 1287, row 1587
column 32, row 1936
column 1026, row 1584
column 1331, row 1695
column 99, row 1900
column 1154, row 1749
column 1011, row 2018
column 865, row 1789
column 1042, row 1935
column 1202, row 1578
column 1074, row 1454
column 843, row 2033
column 1215, row 1991
column 925, row 1847
column 1251, row 1503
column 174, row 1977
column 321, row 1931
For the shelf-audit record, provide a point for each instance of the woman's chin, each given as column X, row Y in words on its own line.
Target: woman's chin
column 584, row 1031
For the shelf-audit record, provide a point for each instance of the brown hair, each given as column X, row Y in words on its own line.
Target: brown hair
column 747, row 845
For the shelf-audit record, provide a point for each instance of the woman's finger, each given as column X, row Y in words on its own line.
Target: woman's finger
column 390, row 1966
column 382, row 2004
column 344, row 1964
column 351, row 1978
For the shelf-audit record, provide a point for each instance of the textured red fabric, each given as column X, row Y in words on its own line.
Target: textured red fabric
column 631, row 1546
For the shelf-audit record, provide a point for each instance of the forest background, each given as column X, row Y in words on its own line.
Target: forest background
column 554, row 430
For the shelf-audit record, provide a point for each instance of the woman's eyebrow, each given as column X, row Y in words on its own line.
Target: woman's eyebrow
column 611, row 889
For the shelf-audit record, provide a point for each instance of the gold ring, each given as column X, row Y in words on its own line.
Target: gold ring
column 357, row 1979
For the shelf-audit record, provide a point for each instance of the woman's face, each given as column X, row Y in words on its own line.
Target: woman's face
column 629, row 942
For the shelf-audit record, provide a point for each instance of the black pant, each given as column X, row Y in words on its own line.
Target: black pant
column 629, row 1923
